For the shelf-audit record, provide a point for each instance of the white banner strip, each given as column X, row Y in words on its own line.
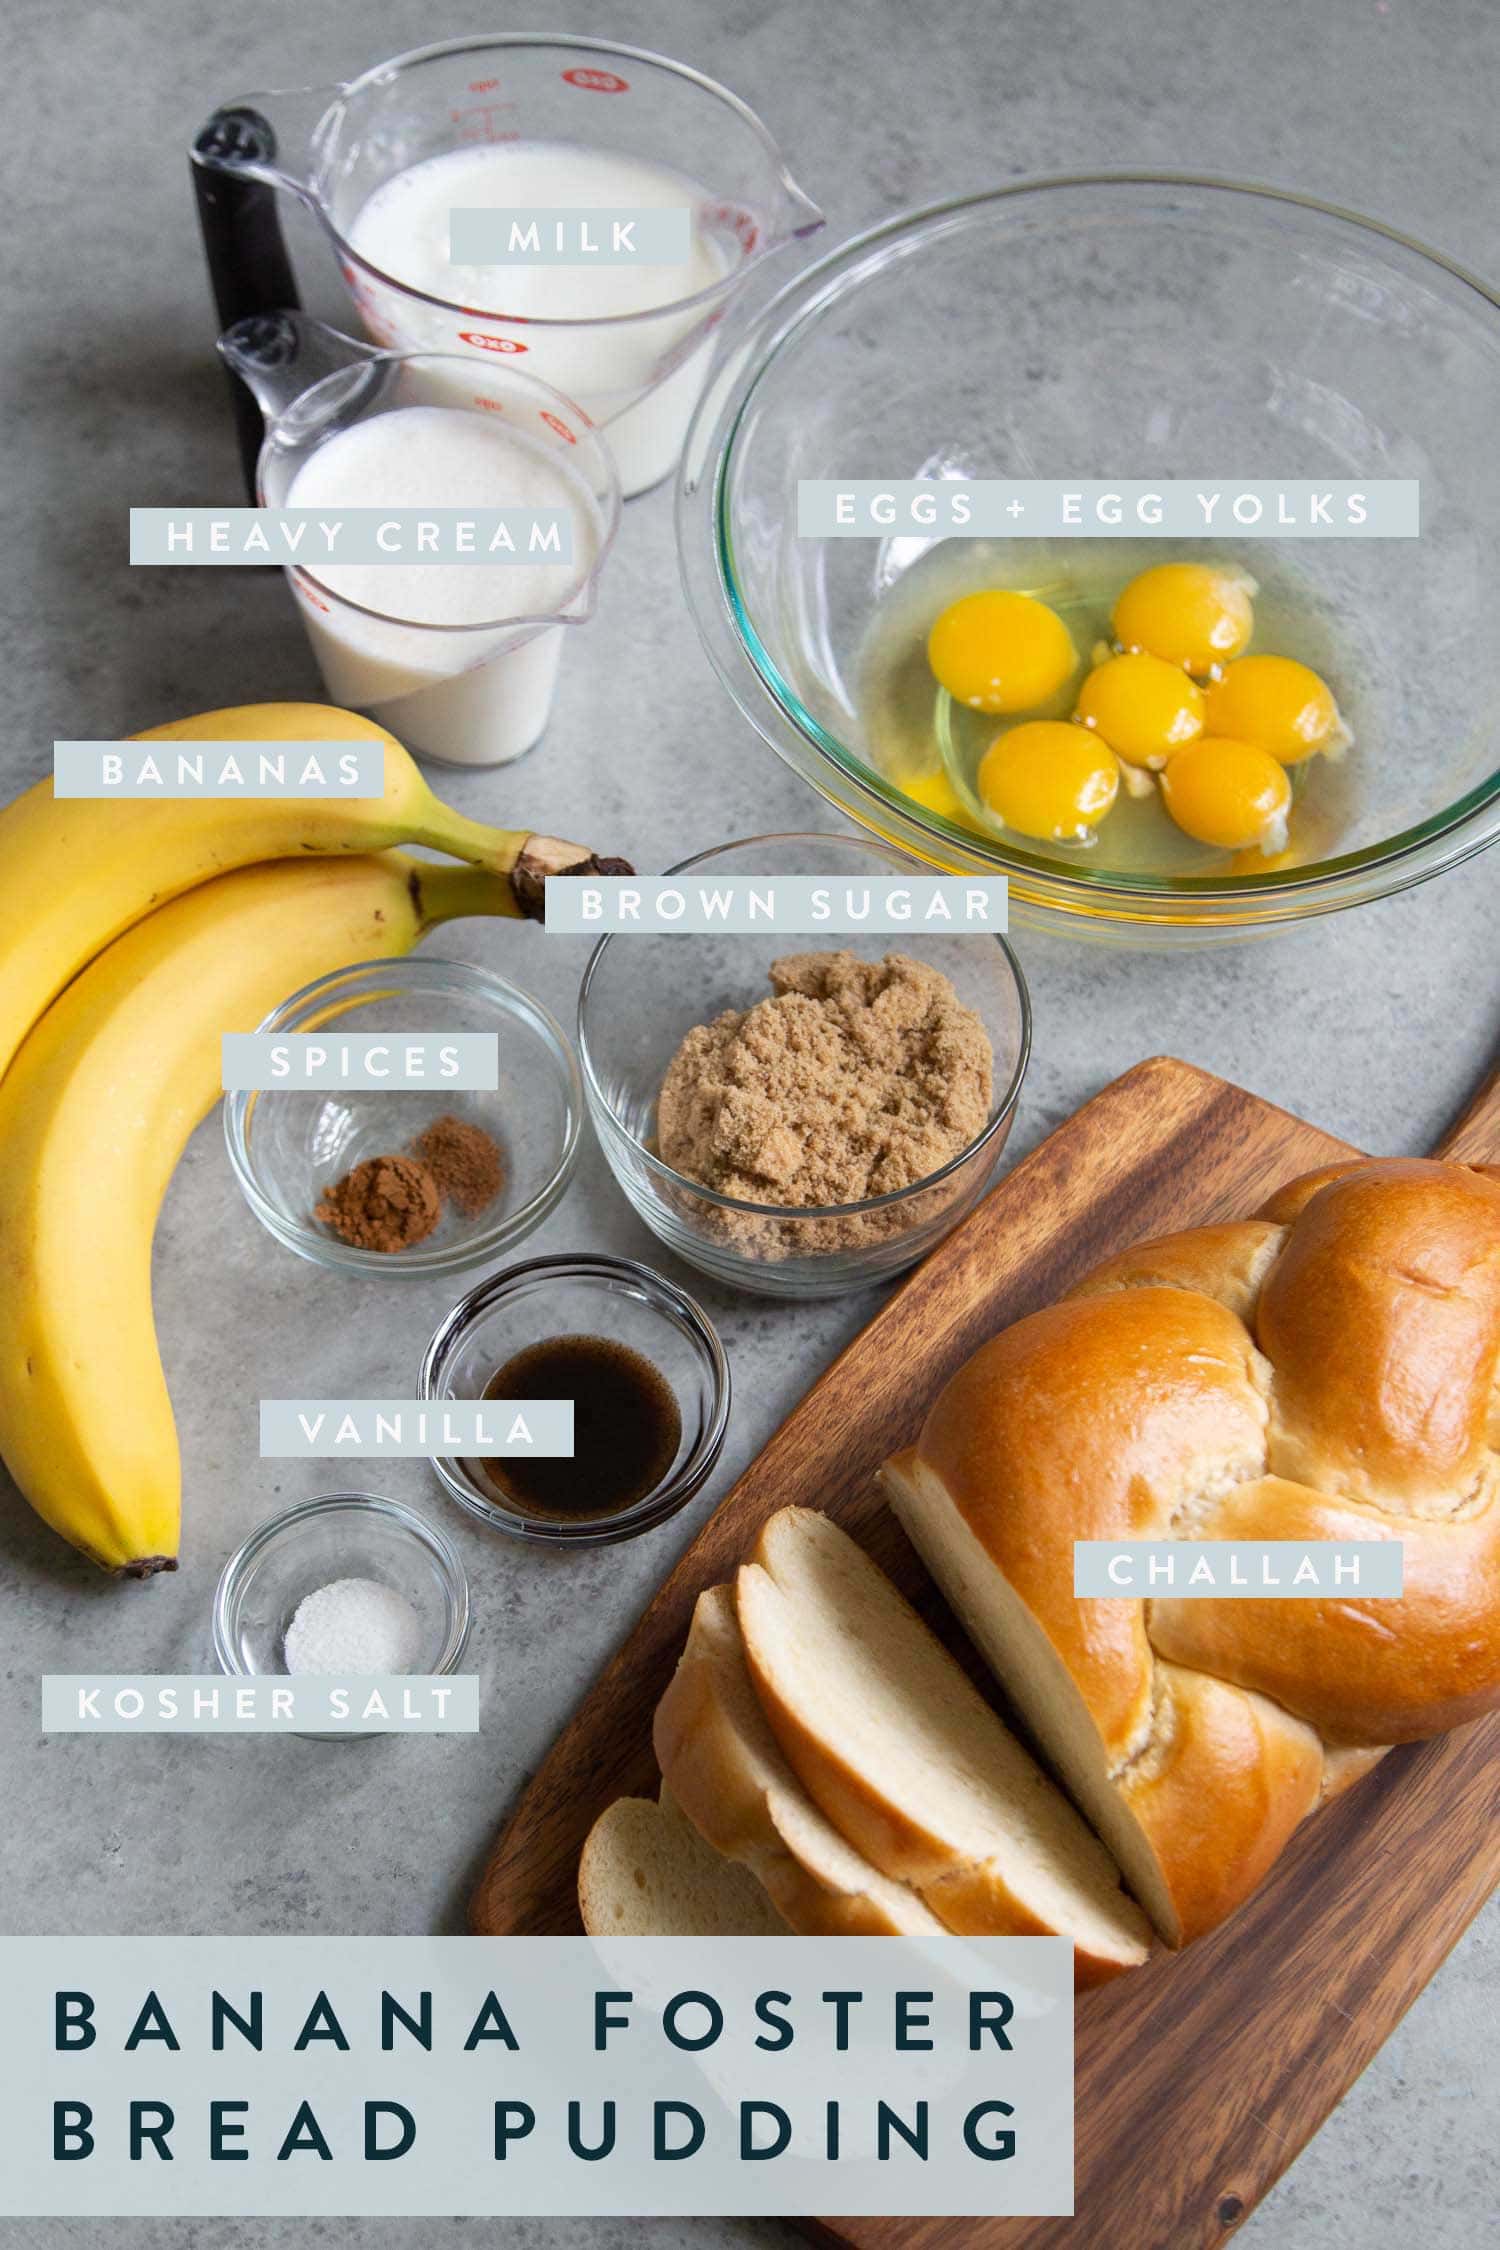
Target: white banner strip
column 431, row 1061
column 383, row 2077
column 314, row 536
column 415, row 1429
column 798, row 905
column 218, row 769
column 1134, row 508
column 275, row 1703
column 489, row 235
column 1239, row 1569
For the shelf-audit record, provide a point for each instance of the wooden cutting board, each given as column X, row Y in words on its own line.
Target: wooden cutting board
column 1200, row 2076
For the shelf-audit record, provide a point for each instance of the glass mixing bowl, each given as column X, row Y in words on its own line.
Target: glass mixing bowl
column 1120, row 326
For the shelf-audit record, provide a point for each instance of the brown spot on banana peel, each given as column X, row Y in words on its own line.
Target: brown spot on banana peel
column 541, row 856
column 146, row 1566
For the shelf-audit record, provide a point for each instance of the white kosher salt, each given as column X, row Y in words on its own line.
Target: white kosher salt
column 353, row 1626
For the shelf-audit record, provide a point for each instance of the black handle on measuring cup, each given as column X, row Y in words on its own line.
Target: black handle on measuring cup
column 247, row 258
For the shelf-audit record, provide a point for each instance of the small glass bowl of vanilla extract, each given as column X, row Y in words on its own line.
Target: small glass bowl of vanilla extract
column 640, row 1360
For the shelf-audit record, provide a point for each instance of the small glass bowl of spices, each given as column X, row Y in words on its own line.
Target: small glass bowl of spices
column 411, row 1179
column 350, row 1583
column 644, row 1368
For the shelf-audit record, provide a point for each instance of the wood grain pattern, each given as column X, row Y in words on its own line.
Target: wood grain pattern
column 1475, row 1138
column 1200, row 2076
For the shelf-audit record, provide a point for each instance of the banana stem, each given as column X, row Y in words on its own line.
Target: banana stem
column 449, row 894
column 444, row 830
column 522, row 858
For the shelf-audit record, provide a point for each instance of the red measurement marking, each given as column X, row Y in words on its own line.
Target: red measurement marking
column 597, row 81
column 484, row 343
column 741, row 224
column 483, row 85
column 555, row 422
column 479, row 123
column 489, row 405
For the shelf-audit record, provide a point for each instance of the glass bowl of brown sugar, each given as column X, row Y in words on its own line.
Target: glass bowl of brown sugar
column 406, row 1176
column 799, row 1115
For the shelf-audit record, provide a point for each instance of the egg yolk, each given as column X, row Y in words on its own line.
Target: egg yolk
column 1227, row 793
column 1049, row 779
column 1142, row 707
column 937, row 794
column 1255, row 862
column 1001, row 652
column 1195, row 615
column 1280, row 704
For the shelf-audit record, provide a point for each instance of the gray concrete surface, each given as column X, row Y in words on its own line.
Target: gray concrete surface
column 1376, row 1025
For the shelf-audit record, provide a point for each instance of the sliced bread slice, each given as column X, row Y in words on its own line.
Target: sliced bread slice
column 726, row 1771
column 903, row 1754
column 646, row 1872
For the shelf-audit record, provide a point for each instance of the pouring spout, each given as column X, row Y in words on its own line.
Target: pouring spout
column 280, row 356
column 799, row 215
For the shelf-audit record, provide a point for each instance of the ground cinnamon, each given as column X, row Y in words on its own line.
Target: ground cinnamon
column 463, row 1160
column 385, row 1203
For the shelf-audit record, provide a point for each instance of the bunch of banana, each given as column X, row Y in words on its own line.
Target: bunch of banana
column 76, row 871
column 126, row 950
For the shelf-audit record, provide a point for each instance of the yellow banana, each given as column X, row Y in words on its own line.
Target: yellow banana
column 76, row 872
column 94, row 1114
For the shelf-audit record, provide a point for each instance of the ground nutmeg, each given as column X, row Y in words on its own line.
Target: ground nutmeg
column 463, row 1160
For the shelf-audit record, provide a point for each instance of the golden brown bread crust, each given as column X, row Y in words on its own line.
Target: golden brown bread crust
column 1289, row 1202
column 970, row 1898
column 1327, row 1370
column 1342, row 1665
column 812, row 1910
column 1220, row 1795
column 1382, row 1318
column 731, row 1796
column 971, row 1901
column 688, row 1736
column 1099, row 1418
column 1227, row 1263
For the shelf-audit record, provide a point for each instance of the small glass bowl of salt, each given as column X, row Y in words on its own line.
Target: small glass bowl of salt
column 349, row 1584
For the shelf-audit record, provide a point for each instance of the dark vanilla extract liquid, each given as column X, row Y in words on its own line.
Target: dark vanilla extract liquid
column 626, row 1428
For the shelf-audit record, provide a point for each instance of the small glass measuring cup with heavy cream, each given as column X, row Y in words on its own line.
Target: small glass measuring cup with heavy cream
column 458, row 659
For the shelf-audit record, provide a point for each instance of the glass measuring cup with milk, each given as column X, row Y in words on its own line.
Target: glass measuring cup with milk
column 459, row 661
column 522, row 125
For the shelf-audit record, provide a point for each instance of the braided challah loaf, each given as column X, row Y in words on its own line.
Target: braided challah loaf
column 1327, row 1370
